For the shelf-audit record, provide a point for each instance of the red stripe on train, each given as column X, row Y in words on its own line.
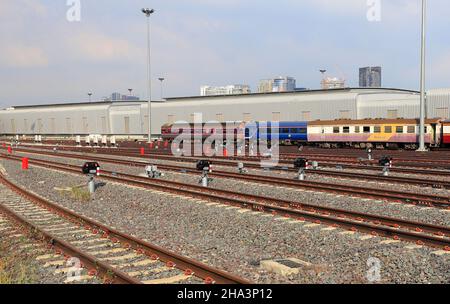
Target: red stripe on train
column 446, row 139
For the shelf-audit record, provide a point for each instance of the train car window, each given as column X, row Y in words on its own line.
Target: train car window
column 303, row 131
column 357, row 129
column 399, row 129
column 377, row 129
column 411, row 129
column 366, row 129
column 388, row 129
column 336, row 130
column 426, row 130
column 346, row 130
column 284, row 130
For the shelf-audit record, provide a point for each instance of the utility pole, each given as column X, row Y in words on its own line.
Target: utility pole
column 161, row 79
column 148, row 13
column 422, row 81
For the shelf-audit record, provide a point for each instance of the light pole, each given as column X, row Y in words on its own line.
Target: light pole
column 90, row 95
column 422, row 80
column 130, row 90
column 322, row 82
column 161, row 79
column 148, row 13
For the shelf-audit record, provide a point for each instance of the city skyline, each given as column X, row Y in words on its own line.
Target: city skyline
column 45, row 58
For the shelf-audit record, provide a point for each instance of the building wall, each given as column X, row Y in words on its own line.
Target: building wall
column 438, row 105
column 386, row 105
column 130, row 118
column 286, row 107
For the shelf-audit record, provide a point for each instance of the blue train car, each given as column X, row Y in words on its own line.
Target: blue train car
column 288, row 132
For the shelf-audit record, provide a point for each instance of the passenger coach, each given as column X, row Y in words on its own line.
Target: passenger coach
column 383, row 133
column 446, row 133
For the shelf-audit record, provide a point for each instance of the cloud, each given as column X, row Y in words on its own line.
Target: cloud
column 22, row 8
column 92, row 46
column 440, row 69
column 20, row 56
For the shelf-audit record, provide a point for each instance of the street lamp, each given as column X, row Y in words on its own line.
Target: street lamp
column 422, row 81
column 90, row 95
column 148, row 13
column 161, row 79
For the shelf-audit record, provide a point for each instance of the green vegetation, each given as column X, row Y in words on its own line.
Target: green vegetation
column 79, row 193
column 16, row 267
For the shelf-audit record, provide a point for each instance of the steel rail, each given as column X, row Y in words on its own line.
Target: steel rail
column 104, row 269
column 183, row 263
column 398, row 196
column 366, row 176
column 355, row 221
column 225, row 160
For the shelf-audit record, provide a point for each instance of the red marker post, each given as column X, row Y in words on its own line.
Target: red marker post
column 166, row 144
column 151, row 146
column 24, row 163
column 9, row 150
column 142, row 151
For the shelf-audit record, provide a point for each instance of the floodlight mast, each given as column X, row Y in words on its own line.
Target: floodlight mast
column 161, row 79
column 422, row 147
column 148, row 13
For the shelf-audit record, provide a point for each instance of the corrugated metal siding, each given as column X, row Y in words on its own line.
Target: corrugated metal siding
column 289, row 107
column 354, row 104
column 379, row 105
column 438, row 103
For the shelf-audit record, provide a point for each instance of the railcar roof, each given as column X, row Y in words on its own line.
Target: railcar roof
column 370, row 122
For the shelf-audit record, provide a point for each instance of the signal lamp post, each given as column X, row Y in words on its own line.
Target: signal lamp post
column 148, row 13
column 422, row 82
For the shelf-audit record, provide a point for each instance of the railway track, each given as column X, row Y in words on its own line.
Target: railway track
column 433, row 167
column 253, row 165
column 104, row 251
column 398, row 229
column 398, row 196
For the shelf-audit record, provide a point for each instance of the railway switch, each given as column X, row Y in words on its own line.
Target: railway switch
column 386, row 162
column 91, row 169
column 152, row 171
column 104, row 141
column 301, row 164
column 369, row 153
column 241, row 168
column 205, row 167
column 112, row 141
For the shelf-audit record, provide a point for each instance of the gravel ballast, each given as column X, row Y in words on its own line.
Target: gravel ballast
column 377, row 207
column 237, row 242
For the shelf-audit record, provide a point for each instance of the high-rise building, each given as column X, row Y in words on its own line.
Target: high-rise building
column 284, row 84
column 225, row 90
column 116, row 97
column 329, row 83
column 130, row 98
column 370, row 77
column 120, row 97
column 279, row 84
column 265, row 86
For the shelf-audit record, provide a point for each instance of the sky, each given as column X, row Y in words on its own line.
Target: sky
column 45, row 58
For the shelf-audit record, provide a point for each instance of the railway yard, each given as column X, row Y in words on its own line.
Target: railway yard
column 346, row 222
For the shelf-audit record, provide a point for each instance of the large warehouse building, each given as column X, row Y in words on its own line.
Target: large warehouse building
column 129, row 118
